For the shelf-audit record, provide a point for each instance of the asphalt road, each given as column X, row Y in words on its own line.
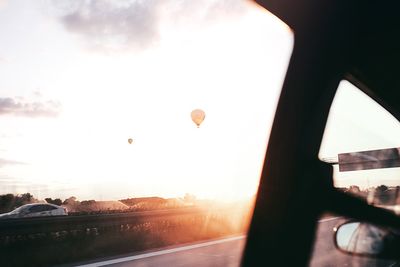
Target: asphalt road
column 227, row 253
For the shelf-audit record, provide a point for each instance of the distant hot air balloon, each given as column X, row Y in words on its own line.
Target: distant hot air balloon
column 198, row 116
column 130, row 140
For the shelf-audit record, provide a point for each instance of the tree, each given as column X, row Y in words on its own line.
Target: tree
column 7, row 203
column 56, row 201
column 70, row 200
column 27, row 198
column 382, row 194
column 382, row 188
column 355, row 189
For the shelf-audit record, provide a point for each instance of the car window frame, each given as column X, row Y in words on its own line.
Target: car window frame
column 323, row 54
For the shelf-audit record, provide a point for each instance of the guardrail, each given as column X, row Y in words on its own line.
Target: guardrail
column 47, row 241
column 33, row 225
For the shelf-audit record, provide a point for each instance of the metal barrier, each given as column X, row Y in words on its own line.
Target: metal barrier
column 81, row 222
column 48, row 241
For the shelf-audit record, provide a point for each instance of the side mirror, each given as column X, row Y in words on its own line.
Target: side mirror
column 365, row 239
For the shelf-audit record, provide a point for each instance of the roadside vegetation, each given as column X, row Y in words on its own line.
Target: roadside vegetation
column 171, row 222
column 88, row 233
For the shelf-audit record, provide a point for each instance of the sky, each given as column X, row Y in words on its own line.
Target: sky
column 81, row 77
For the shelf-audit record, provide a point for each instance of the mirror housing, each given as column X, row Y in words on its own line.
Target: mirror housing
column 363, row 239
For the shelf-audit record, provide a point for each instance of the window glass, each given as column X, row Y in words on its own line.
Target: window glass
column 36, row 208
column 40, row 208
column 126, row 107
column 48, row 207
column 361, row 141
column 361, row 131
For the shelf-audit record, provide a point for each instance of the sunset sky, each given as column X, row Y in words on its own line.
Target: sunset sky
column 78, row 78
column 81, row 77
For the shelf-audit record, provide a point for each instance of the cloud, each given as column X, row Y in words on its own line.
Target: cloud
column 4, row 162
column 113, row 26
column 19, row 107
column 135, row 24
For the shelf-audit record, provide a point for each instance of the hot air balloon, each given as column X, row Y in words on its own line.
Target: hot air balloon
column 130, row 140
column 198, row 116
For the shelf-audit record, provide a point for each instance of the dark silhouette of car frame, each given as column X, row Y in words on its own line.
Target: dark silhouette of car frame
column 333, row 40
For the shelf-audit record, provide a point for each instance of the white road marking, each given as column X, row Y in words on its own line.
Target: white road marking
column 162, row 252
column 173, row 250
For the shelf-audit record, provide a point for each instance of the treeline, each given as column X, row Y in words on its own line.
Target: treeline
column 74, row 206
column 380, row 195
column 9, row 202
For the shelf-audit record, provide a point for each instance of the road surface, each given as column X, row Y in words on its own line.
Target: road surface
column 227, row 253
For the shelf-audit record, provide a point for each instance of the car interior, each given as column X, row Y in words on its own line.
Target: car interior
column 334, row 41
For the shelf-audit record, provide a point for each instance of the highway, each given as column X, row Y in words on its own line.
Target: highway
column 227, row 253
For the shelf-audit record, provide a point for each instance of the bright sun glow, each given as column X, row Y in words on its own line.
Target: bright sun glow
column 230, row 65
